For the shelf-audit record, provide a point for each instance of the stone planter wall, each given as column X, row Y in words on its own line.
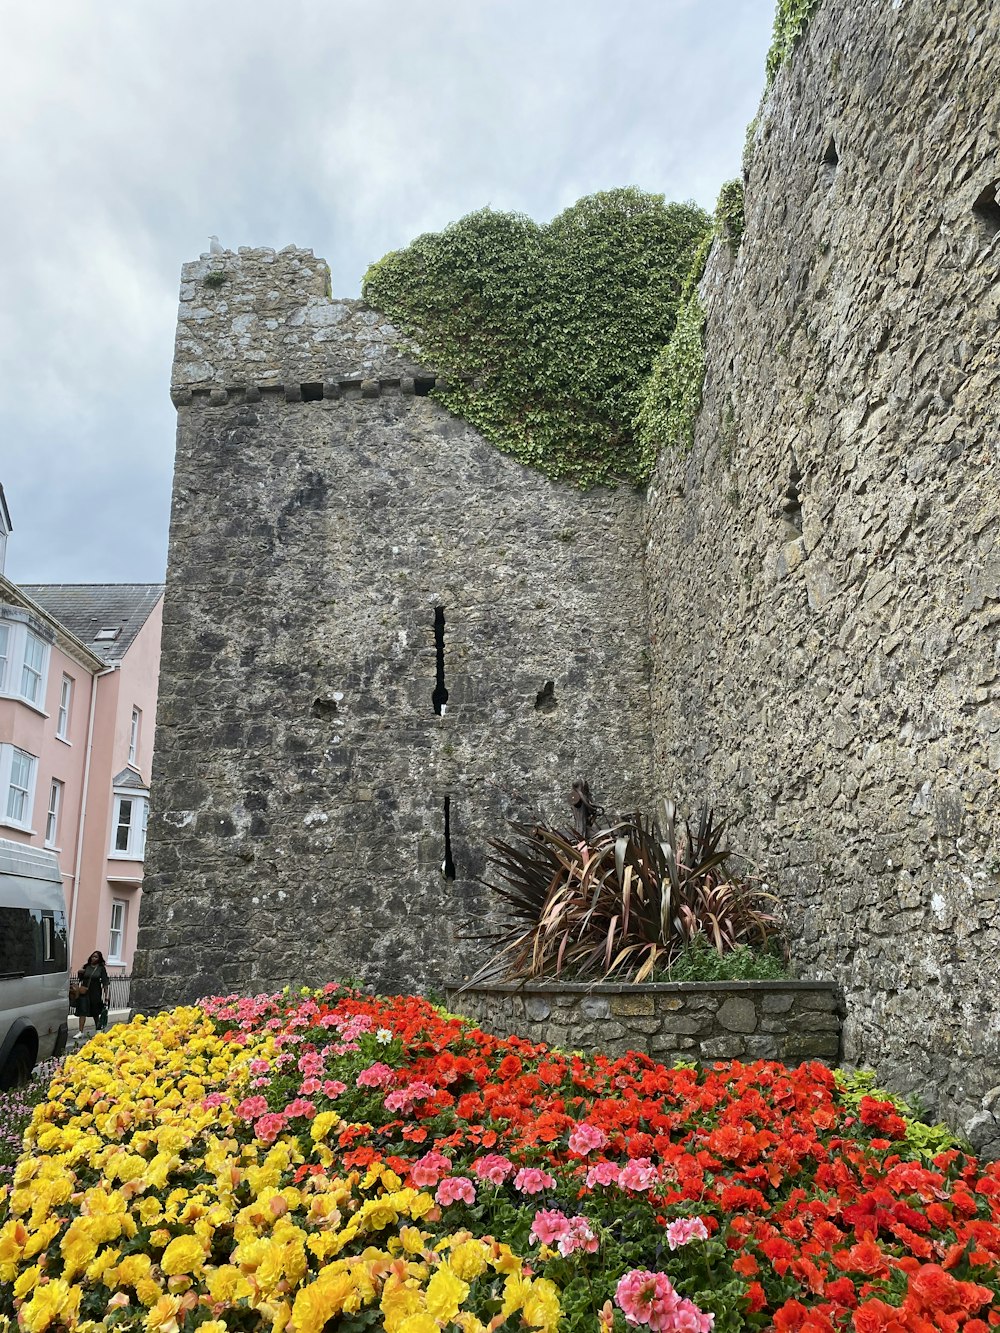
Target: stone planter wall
column 790, row 1021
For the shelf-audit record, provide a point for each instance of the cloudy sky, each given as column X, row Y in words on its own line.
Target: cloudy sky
column 131, row 129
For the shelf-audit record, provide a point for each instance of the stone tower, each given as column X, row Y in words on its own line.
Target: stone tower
column 381, row 637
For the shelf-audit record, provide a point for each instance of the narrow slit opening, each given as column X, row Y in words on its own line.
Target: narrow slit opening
column 448, row 864
column 422, row 385
column 439, row 698
column 311, row 393
column 791, row 505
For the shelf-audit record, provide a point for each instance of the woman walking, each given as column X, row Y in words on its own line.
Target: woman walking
column 95, row 989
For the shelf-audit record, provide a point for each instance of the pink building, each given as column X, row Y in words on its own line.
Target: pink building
column 78, row 676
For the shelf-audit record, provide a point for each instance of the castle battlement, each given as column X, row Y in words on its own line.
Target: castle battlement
column 256, row 321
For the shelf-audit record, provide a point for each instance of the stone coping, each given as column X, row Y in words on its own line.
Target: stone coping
column 634, row 988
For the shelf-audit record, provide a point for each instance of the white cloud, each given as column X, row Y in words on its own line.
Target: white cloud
column 129, row 132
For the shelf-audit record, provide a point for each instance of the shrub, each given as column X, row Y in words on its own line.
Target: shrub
column 621, row 902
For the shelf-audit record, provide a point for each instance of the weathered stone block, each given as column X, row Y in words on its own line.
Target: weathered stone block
column 595, row 1006
column 536, row 1008
column 625, row 1006
column 727, row 1047
column 738, row 1014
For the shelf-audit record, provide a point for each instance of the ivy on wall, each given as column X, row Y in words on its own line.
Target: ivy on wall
column 791, row 18
column 729, row 217
column 671, row 398
column 558, row 325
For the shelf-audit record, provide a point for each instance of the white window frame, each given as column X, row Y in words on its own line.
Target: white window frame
column 120, row 930
column 133, row 739
column 65, row 708
column 135, row 826
column 53, row 813
column 9, row 755
column 34, row 669
column 25, row 659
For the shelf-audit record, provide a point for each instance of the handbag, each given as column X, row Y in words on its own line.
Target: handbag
column 76, row 989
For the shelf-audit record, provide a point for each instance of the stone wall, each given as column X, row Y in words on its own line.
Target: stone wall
column 790, row 1021
column 342, row 550
column 824, row 571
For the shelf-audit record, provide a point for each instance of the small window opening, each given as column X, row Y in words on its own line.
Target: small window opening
column 312, row 393
column 422, row 385
column 440, row 696
column 107, row 634
column 545, row 699
column 986, row 210
column 448, row 864
column 791, row 504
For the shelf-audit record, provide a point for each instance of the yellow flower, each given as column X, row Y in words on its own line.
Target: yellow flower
column 162, row 1317
column 323, row 1123
column 78, row 1245
column 542, row 1309
column 419, row 1323
column 50, row 1301
column 469, row 1259
column 445, row 1293
column 27, row 1281
column 226, row 1284
column 133, row 1269
column 184, row 1254
column 322, row 1300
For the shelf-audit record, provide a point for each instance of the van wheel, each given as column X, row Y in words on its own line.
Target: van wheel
column 17, row 1071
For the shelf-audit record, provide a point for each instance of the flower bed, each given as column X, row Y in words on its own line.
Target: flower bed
column 289, row 1161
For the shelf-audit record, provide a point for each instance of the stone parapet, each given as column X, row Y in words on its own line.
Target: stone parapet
column 790, row 1021
column 264, row 320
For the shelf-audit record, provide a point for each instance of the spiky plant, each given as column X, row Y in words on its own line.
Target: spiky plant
column 621, row 902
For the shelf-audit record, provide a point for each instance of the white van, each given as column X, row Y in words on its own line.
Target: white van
column 34, row 975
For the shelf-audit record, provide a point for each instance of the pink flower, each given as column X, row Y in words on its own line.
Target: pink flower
column 398, row 1100
column 301, row 1106
column 685, row 1229
column 603, row 1173
column 493, row 1168
column 549, row 1226
column 639, row 1174
column 579, row 1237
column 251, row 1107
column 268, row 1127
column 333, row 1088
column 650, row 1298
column 377, row 1075
column 455, row 1187
column 328, row 1021
column 429, row 1169
column 309, row 1087
column 213, row 1099
column 585, row 1138
column 311, row 1063
column 532, row 1180
column 259, row 1066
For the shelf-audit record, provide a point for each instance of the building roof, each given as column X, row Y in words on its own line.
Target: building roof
column 129, row 778
column 5, row 523
column 105, row 616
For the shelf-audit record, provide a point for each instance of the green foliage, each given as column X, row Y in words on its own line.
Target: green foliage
column 729, row 218
column 924, row 1141
column 671, row 397
column 216, row 278
column 547, row 332
column 699, row 961
column 623, row 901
column 790, row 20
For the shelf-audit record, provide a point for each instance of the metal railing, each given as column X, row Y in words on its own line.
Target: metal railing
column 120, row 992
